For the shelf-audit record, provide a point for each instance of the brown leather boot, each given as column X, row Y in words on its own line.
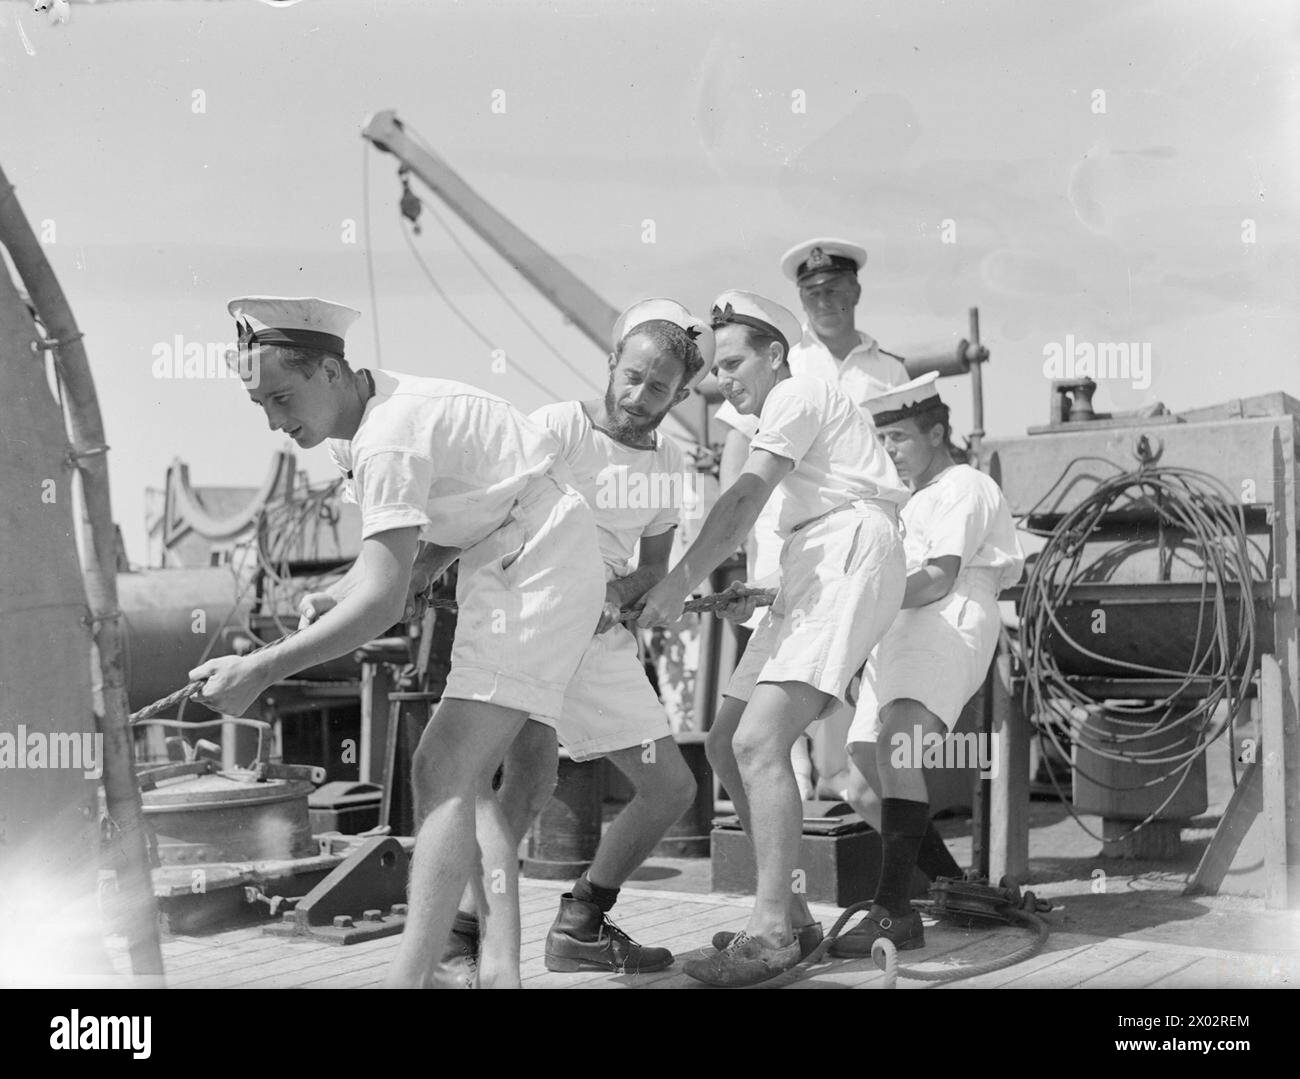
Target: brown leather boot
column 583, row 938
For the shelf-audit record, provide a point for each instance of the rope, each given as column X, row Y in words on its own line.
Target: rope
column 762, row 598
column 886, row 956
column 883, row 950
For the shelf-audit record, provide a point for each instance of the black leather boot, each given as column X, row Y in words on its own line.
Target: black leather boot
column 583, row 938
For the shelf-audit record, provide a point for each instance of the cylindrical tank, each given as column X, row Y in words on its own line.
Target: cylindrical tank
column 214, row 818
column 50, row 753
column 169, row 616
column 1116, row 790
column 688, row 837
column 563, row 839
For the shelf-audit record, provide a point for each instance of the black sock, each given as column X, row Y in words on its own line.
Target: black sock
column 604, row 898
column 902, row 824
column 934, row 859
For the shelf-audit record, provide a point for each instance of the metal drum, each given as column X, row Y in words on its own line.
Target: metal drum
column 220, row 818
column 563, row 839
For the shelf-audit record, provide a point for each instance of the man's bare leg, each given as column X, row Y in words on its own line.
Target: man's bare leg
column 461, row 746
column 664, row 790
column 527, row 783
column 864, row 782
column 777, row 714
column 581, row 938
column 904, row 825
column 720, row 749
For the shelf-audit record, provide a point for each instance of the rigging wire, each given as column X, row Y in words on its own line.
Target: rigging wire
column 370, row 259
column 464, row 318
column 505, row 298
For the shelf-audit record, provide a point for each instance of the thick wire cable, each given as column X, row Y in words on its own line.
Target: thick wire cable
column 1187, row 503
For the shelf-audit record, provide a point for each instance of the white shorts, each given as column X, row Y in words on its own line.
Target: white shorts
column 842, row 581
column 938, row 655
column 529, row 596
column 610, row 703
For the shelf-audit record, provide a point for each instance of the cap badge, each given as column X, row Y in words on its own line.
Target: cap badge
column 817, row 258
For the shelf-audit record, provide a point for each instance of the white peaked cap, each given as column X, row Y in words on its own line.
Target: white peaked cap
column 660, row 309
column 825, row 254
column 296, row 321
column 751, row 309
column 905, row 400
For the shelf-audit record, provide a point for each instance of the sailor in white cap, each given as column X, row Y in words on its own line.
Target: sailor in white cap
column 462, row 471
column 841, row 582
column 633, row 477
column 830, row 347
column 962, row 550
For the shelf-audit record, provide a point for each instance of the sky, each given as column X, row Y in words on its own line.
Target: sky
column 1095, row 172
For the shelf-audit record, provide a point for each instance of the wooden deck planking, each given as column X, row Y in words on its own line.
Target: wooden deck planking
column 685, row 922
column 1080, row 966
column 1140, row 971
column 1232, row 972
column 376, row 958
column 1055, row 951
column 301, row 962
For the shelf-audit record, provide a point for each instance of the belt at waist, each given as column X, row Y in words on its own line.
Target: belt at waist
column 890, row 509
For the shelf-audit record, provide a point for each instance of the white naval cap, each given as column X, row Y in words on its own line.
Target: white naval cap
column 658, row 308
column 296, row 321
column 824, row 255
column 906, row 400
column 751, row 309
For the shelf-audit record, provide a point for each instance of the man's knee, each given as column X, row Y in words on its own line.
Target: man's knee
column 531, row 768
column 859, row 790
column 905, row 727
column 754, row 747
column 670, row 783
column 718, row 750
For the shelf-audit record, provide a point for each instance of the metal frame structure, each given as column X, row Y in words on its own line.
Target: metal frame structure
column 1250, row 447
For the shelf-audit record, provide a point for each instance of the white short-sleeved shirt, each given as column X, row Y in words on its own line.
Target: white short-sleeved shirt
column 963, row 512
column 633, row 493
column 837, row 456
column 442, row 455
column 862, row 374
